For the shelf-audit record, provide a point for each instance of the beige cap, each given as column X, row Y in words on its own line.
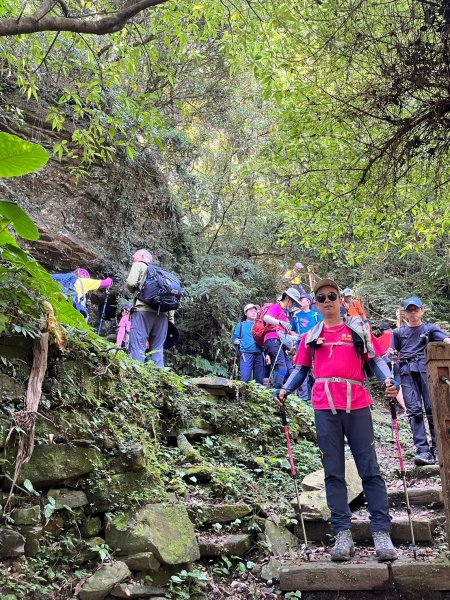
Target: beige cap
column 323, row 283
column 248, row 307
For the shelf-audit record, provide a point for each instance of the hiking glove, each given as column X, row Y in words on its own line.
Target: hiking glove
column 106, row 282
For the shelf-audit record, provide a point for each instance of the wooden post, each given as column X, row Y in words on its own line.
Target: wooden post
column 438, row 369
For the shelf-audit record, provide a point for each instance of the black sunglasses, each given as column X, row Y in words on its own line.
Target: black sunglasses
column 322, row 297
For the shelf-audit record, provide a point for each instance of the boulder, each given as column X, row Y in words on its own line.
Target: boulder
column 136, row 590
column 280, row 540
column 201, row 473
column 100, row 584
column 30, row 515
column 55, row 463
column 221, row 513
column 142, row 561
column 163, row 529
column 131, row 458
column 12, row 543
column 271, row 570
column 316, row 480
column 90, row 526
column 314, row 506
column 231, row 545
column 32, row 537
column 68, row 498
column 313, row 499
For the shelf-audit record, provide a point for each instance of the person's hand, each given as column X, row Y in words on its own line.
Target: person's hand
column 281, row 396
column 391, row 390
column 106, row 282
column 267, row 360
column 237, row 342
column 287, row 326
column 391, row 351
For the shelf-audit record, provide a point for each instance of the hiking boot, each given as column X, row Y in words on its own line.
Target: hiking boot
column 436, row 456
column 343, row 548
column 424, row 458
column 384, row 548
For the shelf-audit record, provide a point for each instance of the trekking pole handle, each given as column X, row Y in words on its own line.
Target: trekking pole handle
column 392, row 406
column 283, row 415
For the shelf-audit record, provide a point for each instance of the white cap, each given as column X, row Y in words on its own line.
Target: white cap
column 348, row 292
column 248, row 307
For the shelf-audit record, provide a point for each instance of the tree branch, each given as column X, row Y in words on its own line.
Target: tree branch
column 103, row 26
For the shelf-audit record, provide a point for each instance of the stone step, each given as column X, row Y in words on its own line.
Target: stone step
column 419, row 496
column 231, row 545
column 424, row 472
column 366, row 574
column 400, row 533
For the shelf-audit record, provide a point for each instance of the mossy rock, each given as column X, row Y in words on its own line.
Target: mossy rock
column 163, row 529
column 54, row 464
column 122, row 490
column 221, row 513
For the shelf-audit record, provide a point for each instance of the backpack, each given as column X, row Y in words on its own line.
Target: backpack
column 260, row 328
column 161, row 290
column 67, row 283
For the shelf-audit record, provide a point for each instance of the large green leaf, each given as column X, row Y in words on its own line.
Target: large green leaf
column 19, row 157
column 19, row 219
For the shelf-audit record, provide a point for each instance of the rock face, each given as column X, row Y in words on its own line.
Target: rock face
column 163, row 529
column 55, row 463
column 99, row 585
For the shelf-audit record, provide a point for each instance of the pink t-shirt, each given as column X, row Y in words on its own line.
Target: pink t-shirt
column 336, row 361
column 278, row 313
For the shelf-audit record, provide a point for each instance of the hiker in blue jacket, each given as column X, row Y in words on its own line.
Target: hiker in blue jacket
column 302, row 321
column 251, row 360
column 410, row 342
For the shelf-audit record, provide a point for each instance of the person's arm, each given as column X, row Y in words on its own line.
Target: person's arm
column 134, row 278
column 277, row 322
column 236, row 334
column 439, row 335
column 295, row 380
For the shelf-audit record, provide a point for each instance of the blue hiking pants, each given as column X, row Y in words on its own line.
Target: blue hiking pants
column 252, row 366
column 413, row 378
column 146, row 325
column 358, row 429
column 281, row 364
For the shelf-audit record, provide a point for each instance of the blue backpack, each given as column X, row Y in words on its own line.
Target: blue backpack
column 67, row 283
column 161, row 291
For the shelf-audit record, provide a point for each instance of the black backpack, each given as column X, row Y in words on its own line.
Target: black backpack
column 161, row 291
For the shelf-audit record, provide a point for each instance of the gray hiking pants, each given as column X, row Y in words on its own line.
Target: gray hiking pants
column 146, row 325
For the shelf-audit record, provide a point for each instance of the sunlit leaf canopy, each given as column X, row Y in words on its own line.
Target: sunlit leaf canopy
column 342, row 106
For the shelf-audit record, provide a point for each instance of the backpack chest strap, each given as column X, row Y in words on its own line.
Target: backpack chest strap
column 349, row 383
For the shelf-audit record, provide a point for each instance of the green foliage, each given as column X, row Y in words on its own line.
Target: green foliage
column 19, row 157
column 24, row 283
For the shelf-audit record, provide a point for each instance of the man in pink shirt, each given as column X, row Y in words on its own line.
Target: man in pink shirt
column 337, row 350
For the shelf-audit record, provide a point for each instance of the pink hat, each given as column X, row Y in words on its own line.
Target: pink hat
column 82, row 273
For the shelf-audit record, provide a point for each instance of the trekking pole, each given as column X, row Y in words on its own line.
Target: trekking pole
column 275, row 362
column 306, row 550
column 103, row 312
column 392, row 405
